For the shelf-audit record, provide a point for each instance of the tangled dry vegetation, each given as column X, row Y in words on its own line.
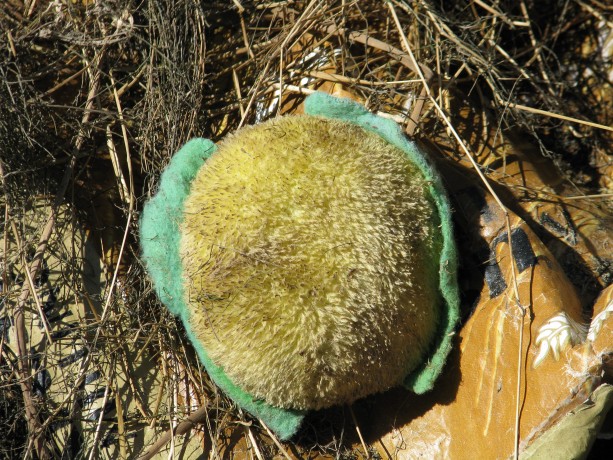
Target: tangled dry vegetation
column 95, row 97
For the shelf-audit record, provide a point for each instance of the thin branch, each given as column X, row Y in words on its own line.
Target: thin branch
column 194, row 419
column 503, row 208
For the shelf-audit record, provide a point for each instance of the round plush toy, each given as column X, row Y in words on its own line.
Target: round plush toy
column 310, row 258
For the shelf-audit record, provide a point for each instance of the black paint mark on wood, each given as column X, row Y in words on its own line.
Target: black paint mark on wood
column 522, row 253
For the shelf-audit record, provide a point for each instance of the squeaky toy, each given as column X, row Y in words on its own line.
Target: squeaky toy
column 310, row 258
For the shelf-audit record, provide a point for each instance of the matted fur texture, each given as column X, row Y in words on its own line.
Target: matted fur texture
column 311, row 253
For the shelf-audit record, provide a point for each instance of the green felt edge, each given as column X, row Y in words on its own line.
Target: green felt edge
column 160, row 238
column 324, row 105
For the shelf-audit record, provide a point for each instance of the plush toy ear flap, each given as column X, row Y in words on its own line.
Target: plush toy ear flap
column 159, row 237
column 324, row 105
column 161, row 217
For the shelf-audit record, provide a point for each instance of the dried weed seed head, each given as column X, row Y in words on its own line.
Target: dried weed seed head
column 310, row 252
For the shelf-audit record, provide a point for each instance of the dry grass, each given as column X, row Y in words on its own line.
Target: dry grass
column 95, row 96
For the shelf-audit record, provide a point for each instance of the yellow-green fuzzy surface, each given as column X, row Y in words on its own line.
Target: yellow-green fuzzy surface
column 310, row 251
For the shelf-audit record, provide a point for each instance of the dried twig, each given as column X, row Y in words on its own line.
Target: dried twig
column 359, row 432
column 193, row 420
